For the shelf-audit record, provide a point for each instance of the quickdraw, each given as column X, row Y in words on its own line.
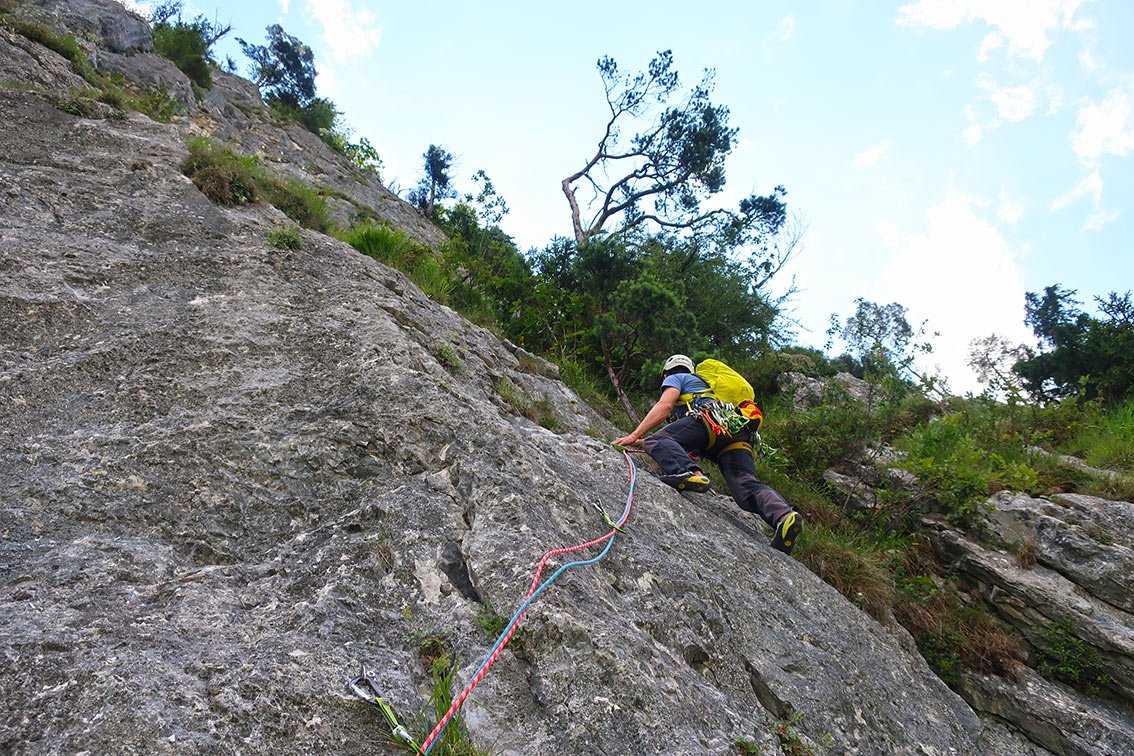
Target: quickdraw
column 364, row 686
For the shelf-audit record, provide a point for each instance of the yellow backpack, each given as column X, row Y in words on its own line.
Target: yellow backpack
column 730, row 387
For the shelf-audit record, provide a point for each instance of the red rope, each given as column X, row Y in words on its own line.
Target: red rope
column 531, row 590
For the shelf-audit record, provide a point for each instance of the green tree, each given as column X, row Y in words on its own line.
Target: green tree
column 284, row 69
column 186, row 43
column 617, row 305
column 436, row 183
column 660, row 177
column 1079, row 353
column 881, row 338
column 992, row 359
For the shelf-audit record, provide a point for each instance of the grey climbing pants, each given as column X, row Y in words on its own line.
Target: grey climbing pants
column 670, row 448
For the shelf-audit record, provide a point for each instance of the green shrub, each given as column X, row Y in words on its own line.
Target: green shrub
column 447, row 356
column 298, row 201
column 317, row 116
column 157, row 103
column 1070, row 659
column 223, row 176
column 394, row 248
column 64, row 44
column 957, row 471
column 187, row 45
column 1107, row 440
column 455, row 740
column 832, row 433
column 230, row 179
column 83, row 107
column 285, row 237
column 385, row 244
column 540, row 411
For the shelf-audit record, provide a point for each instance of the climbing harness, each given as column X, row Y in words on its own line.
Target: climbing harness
column 364, row 686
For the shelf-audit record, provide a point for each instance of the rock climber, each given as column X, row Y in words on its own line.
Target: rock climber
column 683, row 397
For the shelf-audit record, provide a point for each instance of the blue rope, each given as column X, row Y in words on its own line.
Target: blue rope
column 543, row 586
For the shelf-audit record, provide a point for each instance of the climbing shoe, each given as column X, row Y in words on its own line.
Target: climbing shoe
column 691, row 480
column 787, row 530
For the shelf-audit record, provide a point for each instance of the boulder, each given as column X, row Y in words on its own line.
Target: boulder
column 151, row 71
column 27, row 65
column 807, row 391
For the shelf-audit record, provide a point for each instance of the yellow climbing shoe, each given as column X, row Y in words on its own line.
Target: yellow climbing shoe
column 691, row 480
column 787, row 531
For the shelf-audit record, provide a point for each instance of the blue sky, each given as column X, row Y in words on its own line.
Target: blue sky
column 949, row 155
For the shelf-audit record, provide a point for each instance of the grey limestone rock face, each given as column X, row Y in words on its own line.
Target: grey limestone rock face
column 27, row 65
column 1054, row 716
column 231, row 474
column 807, row 391
column 152, row 71
column 1087, row 543
column 1032, row 598
column 116, row 28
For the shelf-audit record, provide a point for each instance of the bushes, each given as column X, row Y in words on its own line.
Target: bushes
column 187, row 46
column 1108, row 440
column 232, row 180
column 396, row 249
column 186, row 43
column 957, row 471
column 298, row 201
column 285, row 237
column 1067, row 658
column 223, row 176
column 832, row 433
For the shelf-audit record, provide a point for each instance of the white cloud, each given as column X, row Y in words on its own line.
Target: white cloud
column 1106, row 128
column 787, row 28
column 1010, row 209
column 1090, row 186
column 1012, row 103
column 993, row 41
column 1021, row 25
column 872, row 155
column 349, row 33
column 1096, row 221
column 1054, row 99
column 285, row 5
column 961, row 276
column 973, row 134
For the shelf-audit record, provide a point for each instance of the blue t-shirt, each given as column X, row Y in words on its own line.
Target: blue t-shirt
column 685, row 383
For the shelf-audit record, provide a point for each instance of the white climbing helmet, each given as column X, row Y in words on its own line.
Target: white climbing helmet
column 678, row 360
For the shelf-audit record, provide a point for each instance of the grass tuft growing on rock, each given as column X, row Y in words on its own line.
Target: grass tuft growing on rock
column 540, row 411
column 1065, row 657
column 232, row 180
column 223, row 176
column 396, row 249
column 285, row 237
